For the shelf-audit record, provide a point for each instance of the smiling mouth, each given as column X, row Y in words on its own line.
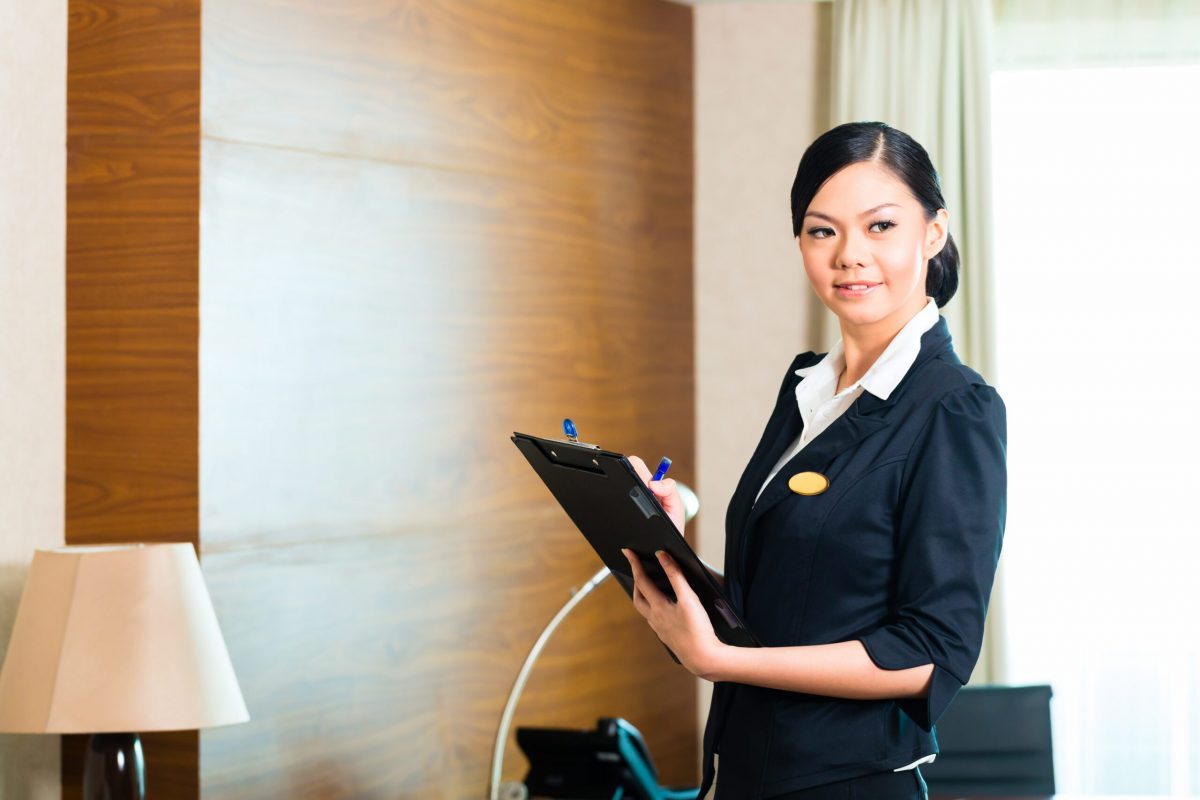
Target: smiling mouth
column 855, row 285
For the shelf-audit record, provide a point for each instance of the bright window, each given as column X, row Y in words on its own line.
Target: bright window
column 1097, row 191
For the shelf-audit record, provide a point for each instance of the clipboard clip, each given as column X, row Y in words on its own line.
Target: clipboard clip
column 572, row 434
column 577, row 443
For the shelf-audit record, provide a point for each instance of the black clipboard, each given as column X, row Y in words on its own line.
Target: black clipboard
column 603, row 495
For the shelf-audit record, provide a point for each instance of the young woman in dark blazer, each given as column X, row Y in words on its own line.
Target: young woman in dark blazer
column 862, row 540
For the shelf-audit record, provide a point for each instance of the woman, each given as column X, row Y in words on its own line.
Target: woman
column 863, row 537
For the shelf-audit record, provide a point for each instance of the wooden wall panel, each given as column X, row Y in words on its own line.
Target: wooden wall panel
column 358, row 691
column 426, row 225
column 133, row 190
column 413, row 315
column 592, row 86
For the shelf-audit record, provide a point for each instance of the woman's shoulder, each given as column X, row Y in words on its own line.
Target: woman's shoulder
column 960, row 396
column 952, row 378
column 944, row 388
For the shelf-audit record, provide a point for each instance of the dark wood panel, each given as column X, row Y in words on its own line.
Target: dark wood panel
column 133, row 180
column 133, row 183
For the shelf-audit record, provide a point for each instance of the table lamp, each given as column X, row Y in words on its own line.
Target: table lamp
column 113, row 640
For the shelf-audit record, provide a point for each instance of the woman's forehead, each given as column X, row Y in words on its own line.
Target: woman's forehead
column 859, row 189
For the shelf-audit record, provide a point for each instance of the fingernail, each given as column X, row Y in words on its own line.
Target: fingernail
column 660, row 554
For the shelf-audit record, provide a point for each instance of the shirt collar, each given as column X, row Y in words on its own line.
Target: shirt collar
column 893, row 363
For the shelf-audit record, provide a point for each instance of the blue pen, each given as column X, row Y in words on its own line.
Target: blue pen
column 661, row 472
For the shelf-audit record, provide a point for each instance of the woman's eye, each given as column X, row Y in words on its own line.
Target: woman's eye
column 887, row 222
column 814, row 232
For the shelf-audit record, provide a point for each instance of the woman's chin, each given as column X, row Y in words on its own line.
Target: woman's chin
column 858, row 312
column 849, row 306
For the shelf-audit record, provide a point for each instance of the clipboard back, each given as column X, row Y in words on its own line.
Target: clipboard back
column 603, row 495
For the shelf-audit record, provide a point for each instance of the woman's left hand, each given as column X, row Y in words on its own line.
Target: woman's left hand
column 684, row 625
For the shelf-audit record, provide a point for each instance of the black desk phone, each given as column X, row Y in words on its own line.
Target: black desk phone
column 608, row 763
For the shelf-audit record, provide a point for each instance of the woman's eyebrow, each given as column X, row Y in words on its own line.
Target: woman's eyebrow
column 863, row 214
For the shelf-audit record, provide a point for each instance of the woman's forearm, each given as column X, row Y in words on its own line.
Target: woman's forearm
column 841, row 669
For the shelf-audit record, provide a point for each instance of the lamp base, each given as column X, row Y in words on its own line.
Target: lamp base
column 113, row 768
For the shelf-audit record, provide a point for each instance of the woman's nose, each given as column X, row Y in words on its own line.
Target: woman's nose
column 852, row 253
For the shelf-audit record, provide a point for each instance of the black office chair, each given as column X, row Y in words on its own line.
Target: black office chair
column 994, row 741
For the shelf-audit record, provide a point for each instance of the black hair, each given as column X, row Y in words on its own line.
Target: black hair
column 902, row 155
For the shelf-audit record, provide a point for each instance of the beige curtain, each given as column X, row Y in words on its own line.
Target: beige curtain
column 924, row 66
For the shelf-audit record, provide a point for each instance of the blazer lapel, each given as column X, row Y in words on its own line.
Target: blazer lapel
column 782, row 428
column 847, row 430
column 863, row 418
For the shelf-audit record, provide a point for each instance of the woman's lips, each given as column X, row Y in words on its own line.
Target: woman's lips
column 855, row 289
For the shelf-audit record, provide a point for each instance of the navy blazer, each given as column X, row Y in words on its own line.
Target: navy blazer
column 899, row 552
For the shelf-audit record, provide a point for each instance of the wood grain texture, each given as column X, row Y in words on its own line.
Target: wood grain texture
column 365, row 354
column 426, row 225
column 133, row 180
column 514, row 86
column 388, row 660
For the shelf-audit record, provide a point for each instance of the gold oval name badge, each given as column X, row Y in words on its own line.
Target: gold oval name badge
column 808, row 483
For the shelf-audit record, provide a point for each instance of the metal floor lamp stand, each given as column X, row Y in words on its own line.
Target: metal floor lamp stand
column 515, row 790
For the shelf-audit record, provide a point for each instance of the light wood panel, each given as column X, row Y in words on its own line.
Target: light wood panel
column 358, row 691
column 366, row 353
column 514, row 86
column 426, row 225
column 133, row 181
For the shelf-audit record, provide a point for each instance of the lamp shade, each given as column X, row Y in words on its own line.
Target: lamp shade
column 117, row 638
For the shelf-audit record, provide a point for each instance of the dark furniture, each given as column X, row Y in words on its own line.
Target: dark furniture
column 994, row 741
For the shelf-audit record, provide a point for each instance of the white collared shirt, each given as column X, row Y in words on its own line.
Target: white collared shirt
column 820, row 404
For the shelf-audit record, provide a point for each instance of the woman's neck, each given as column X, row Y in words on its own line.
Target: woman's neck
column 864, row 344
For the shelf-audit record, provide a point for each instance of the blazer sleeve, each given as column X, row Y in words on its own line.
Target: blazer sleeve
column 950, row 527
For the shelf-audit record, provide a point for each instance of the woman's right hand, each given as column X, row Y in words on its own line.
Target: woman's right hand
column 665, row 490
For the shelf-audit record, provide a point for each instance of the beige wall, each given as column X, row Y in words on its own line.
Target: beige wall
column 33, row 61
column 761, row 74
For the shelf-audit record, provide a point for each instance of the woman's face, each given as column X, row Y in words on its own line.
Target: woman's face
column 865, row 227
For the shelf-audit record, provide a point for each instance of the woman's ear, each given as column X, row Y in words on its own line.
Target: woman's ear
column 936, row 231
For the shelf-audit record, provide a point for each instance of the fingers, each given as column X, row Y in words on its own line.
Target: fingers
column 675, row 575
column 644, row 592
column 641, row 603
column 641, row 469
column 638, row 599
column 664, row 488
